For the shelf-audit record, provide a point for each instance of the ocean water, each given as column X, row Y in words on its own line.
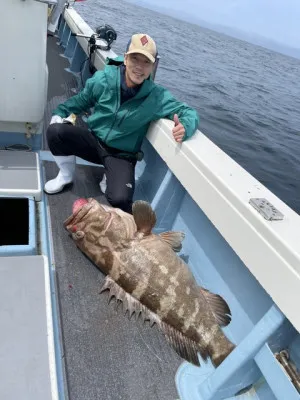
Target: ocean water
column 248, row 97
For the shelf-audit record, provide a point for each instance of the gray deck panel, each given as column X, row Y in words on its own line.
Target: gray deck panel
column 24, row 361
column 106, row 355
column 18, row 172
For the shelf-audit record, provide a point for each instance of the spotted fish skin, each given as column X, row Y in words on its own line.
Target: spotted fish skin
column 150, row 271
column 100, row 227
column 145, row 266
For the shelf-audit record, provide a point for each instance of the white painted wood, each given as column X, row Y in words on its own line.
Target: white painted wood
column 23, row 69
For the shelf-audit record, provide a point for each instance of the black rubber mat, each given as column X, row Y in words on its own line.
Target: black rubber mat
column 106, row 356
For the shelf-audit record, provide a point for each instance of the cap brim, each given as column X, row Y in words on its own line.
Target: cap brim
column 144, row 52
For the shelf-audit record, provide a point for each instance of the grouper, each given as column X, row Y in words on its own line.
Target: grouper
column 145, row 273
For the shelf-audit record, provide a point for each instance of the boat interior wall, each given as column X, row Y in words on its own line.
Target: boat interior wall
column 15, row 134
column 23, row 100
column 294, row 349
column 211, row 258
column 222, row 190
column 216, row 266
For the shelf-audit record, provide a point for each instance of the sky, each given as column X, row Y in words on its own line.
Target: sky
column 278, row 20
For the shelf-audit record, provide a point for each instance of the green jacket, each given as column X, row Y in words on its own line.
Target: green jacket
column 125, row 126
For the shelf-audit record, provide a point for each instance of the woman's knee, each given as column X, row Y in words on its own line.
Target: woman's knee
column 120, row 200
column 58, row 139
column 53, row 132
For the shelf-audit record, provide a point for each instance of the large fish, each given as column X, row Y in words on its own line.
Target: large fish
column 148, row 277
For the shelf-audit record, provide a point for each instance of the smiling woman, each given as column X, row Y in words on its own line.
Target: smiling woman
column 139, row 59
column 138, row 68
column 125, row 100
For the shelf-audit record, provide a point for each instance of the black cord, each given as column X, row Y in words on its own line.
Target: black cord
column 81, row 68
column 68, row 3
column 17, row 147
column 89, row 58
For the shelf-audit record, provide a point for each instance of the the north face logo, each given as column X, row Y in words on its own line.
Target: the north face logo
column 144, row 40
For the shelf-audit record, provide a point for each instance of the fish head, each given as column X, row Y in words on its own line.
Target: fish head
column 97, row 219
column 78, row 204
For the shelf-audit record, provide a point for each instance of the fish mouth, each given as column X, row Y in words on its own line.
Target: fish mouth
column 79, row 214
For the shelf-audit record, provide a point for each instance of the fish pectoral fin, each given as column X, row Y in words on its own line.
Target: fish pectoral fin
column 174, row 239
column 218, row 306
column 144, row 216
column 184, row 347
column 130, row 303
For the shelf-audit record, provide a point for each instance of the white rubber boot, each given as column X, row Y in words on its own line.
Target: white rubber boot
column 66, row 165
column 103, row 184
column 52, row 28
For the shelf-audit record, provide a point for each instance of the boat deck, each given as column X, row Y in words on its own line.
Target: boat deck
column 106, row 355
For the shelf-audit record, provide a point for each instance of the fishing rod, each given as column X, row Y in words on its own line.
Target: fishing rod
column 105, row 33
column 73, row 2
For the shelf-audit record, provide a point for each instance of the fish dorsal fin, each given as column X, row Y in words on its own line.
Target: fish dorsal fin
column 184, row 347
column 174, row 239
column 218, row 306
column 144, row 216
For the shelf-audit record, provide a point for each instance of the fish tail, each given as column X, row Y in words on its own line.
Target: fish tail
column 220, row 348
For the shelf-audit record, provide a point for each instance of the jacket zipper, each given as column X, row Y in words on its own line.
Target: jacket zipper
column 122, row 119
column 116, row 112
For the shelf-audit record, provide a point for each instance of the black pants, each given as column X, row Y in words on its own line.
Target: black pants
column 66, row 140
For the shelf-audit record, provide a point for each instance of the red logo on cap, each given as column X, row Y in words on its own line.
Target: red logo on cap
column 144, row 40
